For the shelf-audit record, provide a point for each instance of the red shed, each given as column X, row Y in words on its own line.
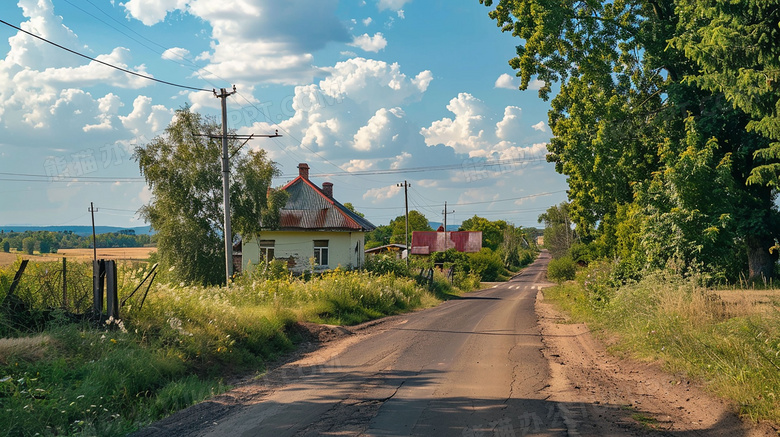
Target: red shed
column 427, row 242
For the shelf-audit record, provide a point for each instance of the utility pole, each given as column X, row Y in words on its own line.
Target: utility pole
column 92, row 209
column 406, row 206
column 445, row 212
column 223, row 95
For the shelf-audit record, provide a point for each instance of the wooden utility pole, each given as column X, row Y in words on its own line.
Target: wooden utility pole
column 223, row 95
column 94, row 240
column 445, row 217
column 406, row 186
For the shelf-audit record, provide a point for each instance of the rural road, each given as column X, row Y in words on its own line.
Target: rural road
column 474, row 366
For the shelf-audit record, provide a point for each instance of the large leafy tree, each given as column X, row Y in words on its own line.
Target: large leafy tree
column 492, row 231
column 558, row 233
column 183, row 170
column 417, row 222
column 637, row 80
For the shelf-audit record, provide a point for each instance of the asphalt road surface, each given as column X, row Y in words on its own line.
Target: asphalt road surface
column 471, row 366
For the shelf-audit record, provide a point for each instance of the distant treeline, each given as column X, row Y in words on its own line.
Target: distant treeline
column 51, row 242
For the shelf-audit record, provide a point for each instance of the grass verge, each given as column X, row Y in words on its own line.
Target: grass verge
column 177, row 349
column 732, row 347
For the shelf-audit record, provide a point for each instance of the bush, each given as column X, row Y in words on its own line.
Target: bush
column 527, row 256
column 487, row 264
column 466, row 281
column 561, row 269
column 384, row 264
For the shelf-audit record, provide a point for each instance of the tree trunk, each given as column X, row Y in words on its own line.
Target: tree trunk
column 761, row 262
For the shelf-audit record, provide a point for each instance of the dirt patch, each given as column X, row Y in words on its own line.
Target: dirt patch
column 648, row 399
column 319, row 345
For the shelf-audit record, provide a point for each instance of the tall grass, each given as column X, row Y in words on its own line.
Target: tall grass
column 734, row 348
column 76, row 379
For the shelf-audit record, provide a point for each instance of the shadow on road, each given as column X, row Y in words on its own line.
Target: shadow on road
column 340, row 400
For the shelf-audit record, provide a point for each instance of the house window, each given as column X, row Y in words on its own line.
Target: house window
column 266, row 250
column 321, row 252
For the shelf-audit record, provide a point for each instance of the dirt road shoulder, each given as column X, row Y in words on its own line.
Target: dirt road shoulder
column 583, row 373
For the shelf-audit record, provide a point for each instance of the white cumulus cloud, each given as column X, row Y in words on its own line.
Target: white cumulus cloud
column 505, row 81
column 257, row 40
column 393, row 5
column 175, row 53
column 370, row 43
column 382, row 193
column 472, row 132
column 541, row 126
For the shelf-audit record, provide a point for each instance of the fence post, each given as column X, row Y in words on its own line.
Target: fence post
column 64, row 283
column 112, row 297
column 17, row 278
column 98, row 276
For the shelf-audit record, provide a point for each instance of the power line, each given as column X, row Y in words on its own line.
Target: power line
column 124, row 70
column 50, row 178
column 191, row 65
column 478, row 203
column 127, row 179
column 59, row 180
column 421, row 169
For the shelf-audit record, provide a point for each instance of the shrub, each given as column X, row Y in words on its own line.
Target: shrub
column 466, row 281
column 384, row 264
column 527, row 256
column 487, row 264
column 561, row 269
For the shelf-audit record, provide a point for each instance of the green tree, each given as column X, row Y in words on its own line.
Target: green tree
column 379, row 236
column 350, row 207
column 631, row 73
column 6, row 246
column 29, row 245
column 558, row 233
column 417, row 222
column 734, row 44
column 492, row 231
column 47, row 242
column 183, row 170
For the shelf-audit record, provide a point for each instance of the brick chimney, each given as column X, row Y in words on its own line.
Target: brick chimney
column 327, row 187
column 303, row 170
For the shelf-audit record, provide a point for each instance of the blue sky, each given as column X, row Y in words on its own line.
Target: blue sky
column 352, row 86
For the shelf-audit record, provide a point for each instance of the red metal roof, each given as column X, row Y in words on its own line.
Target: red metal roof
column 308, row 207
column 427, row 242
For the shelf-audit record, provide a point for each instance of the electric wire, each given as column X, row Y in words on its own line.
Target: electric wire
column 124, row 70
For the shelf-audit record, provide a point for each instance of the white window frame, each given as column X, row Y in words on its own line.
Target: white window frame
column 321, row 252
column 267, row 250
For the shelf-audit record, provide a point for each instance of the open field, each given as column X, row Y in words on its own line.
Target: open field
column 747, row 302
column 119, row 253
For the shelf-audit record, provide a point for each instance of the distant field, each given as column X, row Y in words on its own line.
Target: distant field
column 128, row 253
column 745, row 302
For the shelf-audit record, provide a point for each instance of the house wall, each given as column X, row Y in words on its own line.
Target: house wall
column 300, row 246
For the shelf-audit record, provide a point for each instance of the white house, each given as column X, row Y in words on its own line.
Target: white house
column 312, row 226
